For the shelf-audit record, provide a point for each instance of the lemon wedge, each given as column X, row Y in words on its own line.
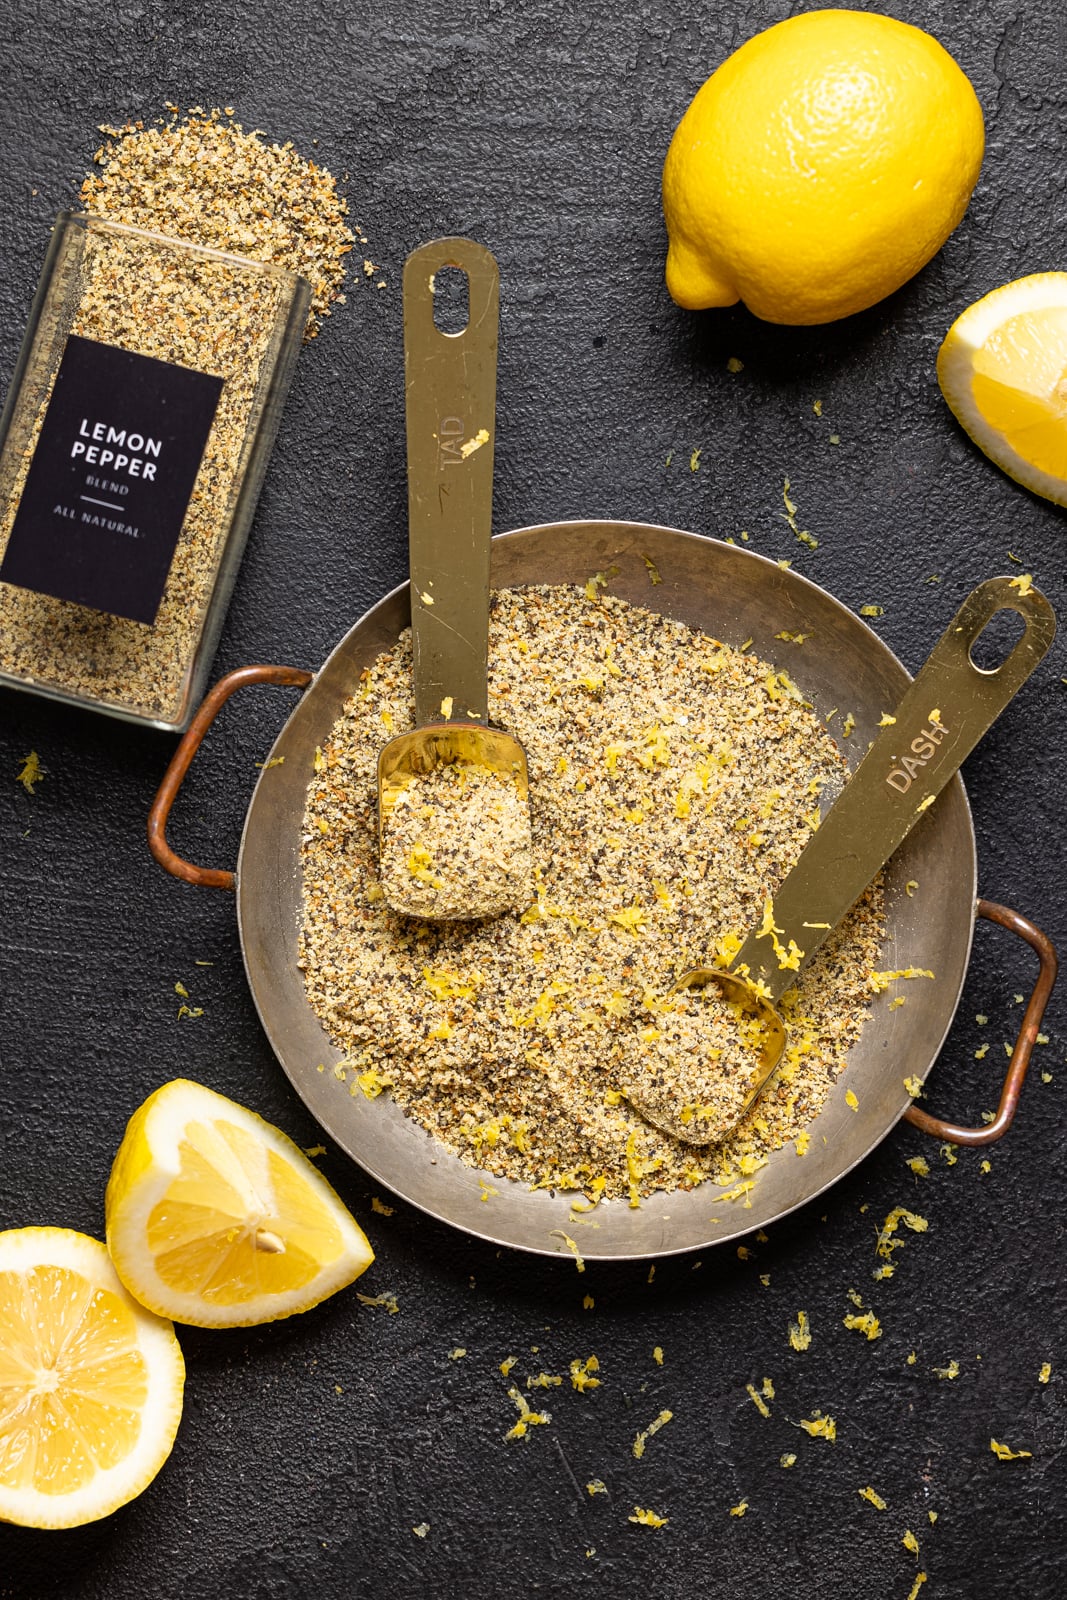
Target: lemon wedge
column 1003, row 370
column 215, row 1218
column 90, row 1383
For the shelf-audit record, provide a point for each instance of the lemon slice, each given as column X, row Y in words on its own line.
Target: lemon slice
column 90, row 1383
column 1003, row 370
column 216, row 1218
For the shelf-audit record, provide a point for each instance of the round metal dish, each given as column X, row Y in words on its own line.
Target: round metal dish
column 737, row 596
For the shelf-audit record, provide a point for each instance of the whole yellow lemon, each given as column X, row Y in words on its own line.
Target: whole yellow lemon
column 819, row 168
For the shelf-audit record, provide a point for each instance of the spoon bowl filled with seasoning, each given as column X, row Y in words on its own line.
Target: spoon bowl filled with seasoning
column 453, row 793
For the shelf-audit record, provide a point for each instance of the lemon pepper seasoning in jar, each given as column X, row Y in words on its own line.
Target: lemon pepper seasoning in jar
column 147, row 397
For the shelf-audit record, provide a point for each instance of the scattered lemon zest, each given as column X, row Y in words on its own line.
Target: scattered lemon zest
column 865, row 1322
column 819, row 1427
column 387, row 1302
column 572, row 1244
column 528, row 1418
column 886, row 1243
column 800, row 1332
column 580, row 1374
column 31, row 772
column 469, row 446
column 878, row 981
column 1004, row 1452
column 757, row 1400
column 646, row 1434
column 648, row 1518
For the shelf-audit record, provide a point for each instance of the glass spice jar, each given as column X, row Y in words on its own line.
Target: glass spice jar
column 133, row 444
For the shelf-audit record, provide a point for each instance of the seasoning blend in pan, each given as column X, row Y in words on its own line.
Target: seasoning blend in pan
column 301, row 884
column 453, row 795
column 717, row 1037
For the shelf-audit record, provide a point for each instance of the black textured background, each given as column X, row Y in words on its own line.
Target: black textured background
column 311, row 1449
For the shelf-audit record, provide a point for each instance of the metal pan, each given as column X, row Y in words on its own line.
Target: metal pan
column 736, row 596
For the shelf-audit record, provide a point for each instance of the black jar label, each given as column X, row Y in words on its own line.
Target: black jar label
column 111, row 478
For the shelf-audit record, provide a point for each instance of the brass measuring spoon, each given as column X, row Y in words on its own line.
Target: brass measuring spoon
column 944, row 713
column 450, row 387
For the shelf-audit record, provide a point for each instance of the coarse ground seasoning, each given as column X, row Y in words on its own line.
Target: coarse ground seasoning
column 456, row 843
column 206, row 183
column 689, row 1061
column 674, row 781
column 137, row 293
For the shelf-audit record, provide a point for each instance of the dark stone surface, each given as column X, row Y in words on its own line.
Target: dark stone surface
column 310, row 1449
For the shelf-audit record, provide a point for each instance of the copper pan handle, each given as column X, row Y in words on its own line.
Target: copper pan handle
column 167, row 793
column 1024, row 1044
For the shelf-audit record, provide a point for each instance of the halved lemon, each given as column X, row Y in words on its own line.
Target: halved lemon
column 90, row 1382
column 1003, row 370
column 216, row 1218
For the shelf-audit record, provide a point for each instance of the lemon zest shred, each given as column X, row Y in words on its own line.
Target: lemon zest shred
column 1004, row 1452
column 648, row 1518
column 31, row 772
column 878, row 981
column 581, row 1371
column 572, row 1244
column 387, row 1302
column 800, row 1332
column 528, row 1418
column 900, row 1214
column 757, row 1400
column 645, row 1435
column 865, row 1322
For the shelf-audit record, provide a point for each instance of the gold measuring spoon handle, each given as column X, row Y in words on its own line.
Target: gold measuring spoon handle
column 941, row 718
column 450, row 383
